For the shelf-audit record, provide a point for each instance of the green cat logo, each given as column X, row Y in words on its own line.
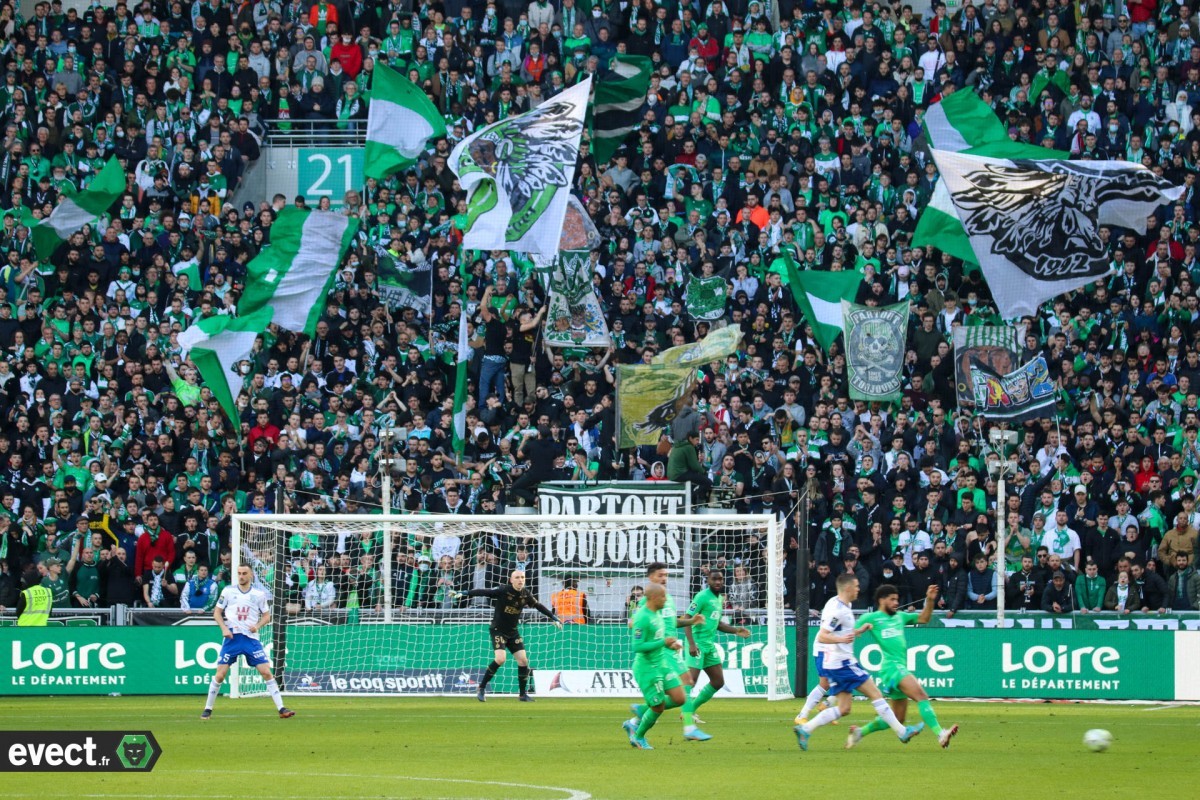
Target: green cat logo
column 135, row 751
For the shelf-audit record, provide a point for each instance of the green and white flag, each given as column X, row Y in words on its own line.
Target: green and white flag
column 964, row 123
column 1034, row 224
column 705, row 298
column 221, row 348
column 574, row 317
column 463, row 356
column 294, row 274
column 190, row 268
column 401, row 119
column 77, row 210
column 518, row 174
column 820, row 295
column 620, row 95
column 875, row 341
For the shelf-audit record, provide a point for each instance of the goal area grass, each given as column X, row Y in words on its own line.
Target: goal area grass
column 567, row 749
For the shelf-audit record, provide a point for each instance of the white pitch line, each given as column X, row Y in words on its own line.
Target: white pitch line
column 571, row 794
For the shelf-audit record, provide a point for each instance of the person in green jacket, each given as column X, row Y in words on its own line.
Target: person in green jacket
column 1090, row 589
column 684, row 465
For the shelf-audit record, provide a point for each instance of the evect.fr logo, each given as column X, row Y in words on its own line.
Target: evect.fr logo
column 78, row 751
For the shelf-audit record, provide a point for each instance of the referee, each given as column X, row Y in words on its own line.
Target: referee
column 508, row 601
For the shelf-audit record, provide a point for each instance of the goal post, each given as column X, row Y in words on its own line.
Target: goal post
column 376, row 605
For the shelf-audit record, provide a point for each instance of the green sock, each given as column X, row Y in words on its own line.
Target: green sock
column 687, row 713
column 648, row 719
column 875, row 726
column 706, row 694
column 639, row 709
column 927, row 714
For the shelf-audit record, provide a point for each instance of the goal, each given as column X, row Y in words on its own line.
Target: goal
column 376, row 605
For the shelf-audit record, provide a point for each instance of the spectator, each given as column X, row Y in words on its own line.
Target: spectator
column 982, row 586
column 159, row 589
column 1122, row 596
column 1059, row 596
column 199, row 591
column 1151, row 588
column 1090, row 589
column 1183, row 587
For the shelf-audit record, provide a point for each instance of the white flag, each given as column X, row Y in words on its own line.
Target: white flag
column 518, row 174
column 1034, row 223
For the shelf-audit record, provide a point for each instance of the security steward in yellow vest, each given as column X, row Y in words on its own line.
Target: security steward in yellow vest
column 33, row 607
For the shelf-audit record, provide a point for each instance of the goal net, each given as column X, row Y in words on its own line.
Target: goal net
column 374, row 605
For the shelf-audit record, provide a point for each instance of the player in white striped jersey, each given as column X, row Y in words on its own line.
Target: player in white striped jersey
column 242, row 611
column 834, row 654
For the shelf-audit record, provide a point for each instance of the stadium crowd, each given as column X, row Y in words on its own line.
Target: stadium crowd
column 118, row 470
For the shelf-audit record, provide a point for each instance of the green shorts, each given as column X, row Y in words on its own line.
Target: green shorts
column 889, row 679
column 675, row 663
column 704, row 659
column 655, row 683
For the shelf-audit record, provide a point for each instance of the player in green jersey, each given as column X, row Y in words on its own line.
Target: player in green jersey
column 895, row 681
column 701, row 623
column 657, row 573
column 653, row 669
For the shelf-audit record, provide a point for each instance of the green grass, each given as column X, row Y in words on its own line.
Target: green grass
column 358, row 748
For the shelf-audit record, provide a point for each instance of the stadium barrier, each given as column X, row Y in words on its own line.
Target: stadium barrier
column 1060, row 663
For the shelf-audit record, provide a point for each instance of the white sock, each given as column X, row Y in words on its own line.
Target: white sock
column 887, row 715
column 814, row 697
column 214, row 689
column 824, row 718
column 273, row 690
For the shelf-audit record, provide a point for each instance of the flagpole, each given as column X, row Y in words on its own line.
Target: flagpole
column 388, row 442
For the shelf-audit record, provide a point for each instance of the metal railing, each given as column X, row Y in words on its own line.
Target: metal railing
column 315, row 133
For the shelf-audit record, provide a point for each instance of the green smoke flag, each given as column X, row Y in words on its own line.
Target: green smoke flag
column 620, row 95
column 218, row 346
column 820, row 296
column 875, row 337
column 401, row 119
column 296, row 272
column 649, row 397
column 463, row 355
column 77, row 210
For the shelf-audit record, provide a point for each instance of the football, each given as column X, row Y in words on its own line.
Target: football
column 1097, row 740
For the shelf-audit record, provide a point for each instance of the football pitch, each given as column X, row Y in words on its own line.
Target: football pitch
column 556, row 749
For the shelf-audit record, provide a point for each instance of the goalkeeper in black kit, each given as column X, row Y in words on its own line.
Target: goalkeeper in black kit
column 509, row 601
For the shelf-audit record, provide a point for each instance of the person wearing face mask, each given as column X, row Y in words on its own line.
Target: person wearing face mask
column 1179, row 115
column 347, row 53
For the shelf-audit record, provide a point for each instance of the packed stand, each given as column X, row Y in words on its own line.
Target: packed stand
column 798, row 126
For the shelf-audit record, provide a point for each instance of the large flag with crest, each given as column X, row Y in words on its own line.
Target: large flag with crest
column 875, row 338
column 574, row 317
column 518, row 174
column 1034, row 223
